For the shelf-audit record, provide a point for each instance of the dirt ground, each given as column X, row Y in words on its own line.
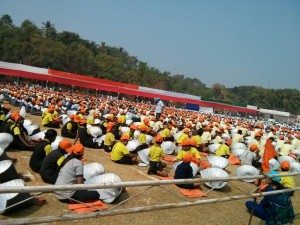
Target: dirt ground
column 226, row 213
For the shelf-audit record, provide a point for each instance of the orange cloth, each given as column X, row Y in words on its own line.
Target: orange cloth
column 234, row 160
column 82, row 208
column 269, row 153
column 169, row 158
column 192, row 193
column 205, row 165
column 263, row 184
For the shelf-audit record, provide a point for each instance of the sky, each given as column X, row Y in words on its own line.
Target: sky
column 232, row 42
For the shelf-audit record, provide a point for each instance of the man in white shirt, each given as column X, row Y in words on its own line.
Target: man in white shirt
column 159, row 108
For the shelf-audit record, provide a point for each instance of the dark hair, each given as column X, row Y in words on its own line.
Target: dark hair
column 51, row 134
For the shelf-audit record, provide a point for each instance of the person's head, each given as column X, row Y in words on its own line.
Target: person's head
column 194, row 143
column 186, row 130
column 124, row 139
column 254, row 148
column 273, row 180
column 240, row 131
column 187, row 158
column 156, row 99
column 109, row 126
column 65, row 145
column 228, row 142
column 51, row 135
column 132, row 128
column 285, row 166
column 257, row 136
column 78, row 150
column 146, row 121
column 76, row 118
column 158, row 139
column 185, row 145
column 143, row 128
column 15, row 116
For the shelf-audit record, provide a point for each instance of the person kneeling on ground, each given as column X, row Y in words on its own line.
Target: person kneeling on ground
column 120, row 153
column 71, row 172
column 51, row 164
column 155, row 154
column 185, row 171
column 274, row 209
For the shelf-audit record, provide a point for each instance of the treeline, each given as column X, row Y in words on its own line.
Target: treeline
column 66, row 51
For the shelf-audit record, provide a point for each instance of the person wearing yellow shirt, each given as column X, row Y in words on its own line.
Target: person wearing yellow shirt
column 183, row 136
column 224, row 149
column 130, row 132
column 142, row 135
column 155, row 155
column 109, row 140
column 49, row 119
column 194, row 152
column 120, row 153
column 122, row 117
column 91, row 119
column 287, row 182
column 166, row 131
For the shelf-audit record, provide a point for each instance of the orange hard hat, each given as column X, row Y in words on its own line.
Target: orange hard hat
column 109, row 126
column 228, row 142
column 187, row 158
column 78, row 149
column 124, row 137
column 285, row 165
column 185, row 142
column 65, row 145
column 159, row 139
column 254, row 148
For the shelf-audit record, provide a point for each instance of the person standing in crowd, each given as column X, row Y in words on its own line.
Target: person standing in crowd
column 159, row 108
column 71, row 172
column 42, row 149
column 185, row 171
column 120, row 153
column 50, row 166
column 155, row 155
column 273, row 209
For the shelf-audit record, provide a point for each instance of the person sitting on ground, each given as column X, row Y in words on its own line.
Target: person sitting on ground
column 218, row 138
column 224, row 149
column 155, row 155
column 21, row 140
column 238, row 138
column 185, row 171
column 50, row 166
column 42, row 148
column 3, row 112
column 287, row 182
column 274, row 209
column 71, row 172
column 49, row 119
column 120, row 153
column 70, row 128
column 130, row 132
column 87, row 139
column 286, row 149
column 251, row 157
column 109, row 140
column 183, row 136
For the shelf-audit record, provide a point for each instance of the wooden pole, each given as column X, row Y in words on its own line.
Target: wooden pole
column 29, row 189
column 66, row 217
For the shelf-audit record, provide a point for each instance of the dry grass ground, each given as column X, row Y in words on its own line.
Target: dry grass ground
column 226, row 213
